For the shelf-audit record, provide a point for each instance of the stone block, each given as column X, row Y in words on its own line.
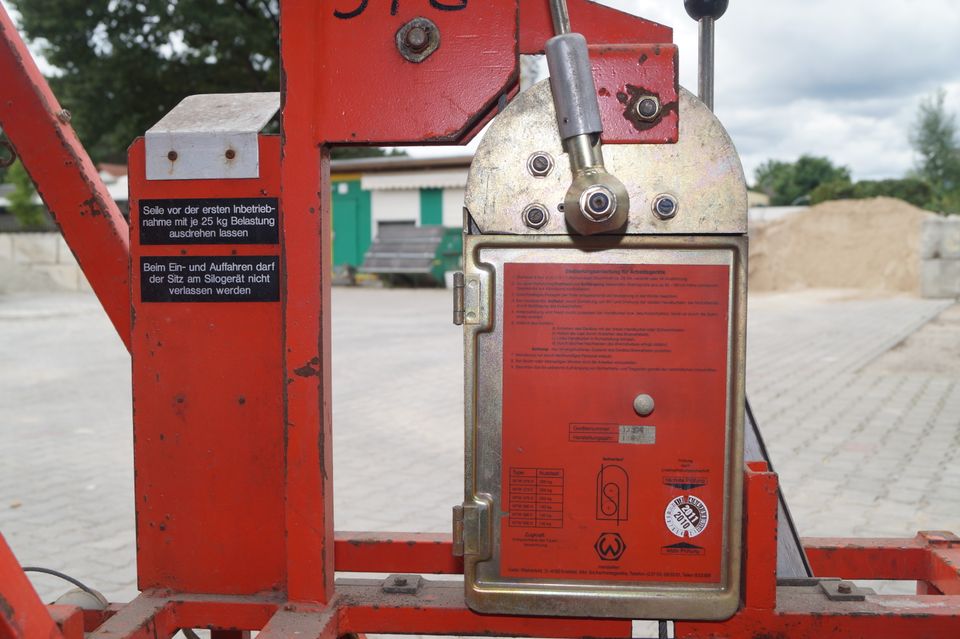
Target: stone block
column 940, row 279
column 64, row 254
column 35, row 248
column 63, row 275
column 950, row 238
column 931, row 237
column 6, row 246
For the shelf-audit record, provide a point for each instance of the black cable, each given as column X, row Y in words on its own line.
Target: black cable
column 76, row 582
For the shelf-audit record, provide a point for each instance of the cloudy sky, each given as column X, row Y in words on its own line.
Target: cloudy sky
column 840, row 78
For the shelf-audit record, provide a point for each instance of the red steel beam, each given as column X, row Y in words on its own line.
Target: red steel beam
column 894, row 559
column 419, row 553
column 22, row 613
column 39, row 129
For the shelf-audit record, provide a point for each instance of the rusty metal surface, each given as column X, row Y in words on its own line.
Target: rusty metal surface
column 67, row 181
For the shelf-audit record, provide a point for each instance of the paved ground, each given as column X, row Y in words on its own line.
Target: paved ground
column 863, row 423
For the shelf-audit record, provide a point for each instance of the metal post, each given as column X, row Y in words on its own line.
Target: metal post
column 706, row 12
column 706, row 72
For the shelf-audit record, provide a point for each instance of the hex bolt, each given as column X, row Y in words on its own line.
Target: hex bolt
column 648, row 108
column 400, row 581
column 172, row 156
column 643, row 405
column 417, row 39
column 665, row 207
column 540, row 164
column 535, row 216
column 845, row 587
column 598, row 203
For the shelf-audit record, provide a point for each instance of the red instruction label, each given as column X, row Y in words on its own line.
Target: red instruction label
column 591, row 489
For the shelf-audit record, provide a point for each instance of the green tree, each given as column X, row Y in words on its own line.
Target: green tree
column 22, row 205
column 125, row 63
column 935, row 139
column 792, row 182
column 913, row 190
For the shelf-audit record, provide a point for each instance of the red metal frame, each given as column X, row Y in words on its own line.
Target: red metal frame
column 39, row 129
column 395, row 102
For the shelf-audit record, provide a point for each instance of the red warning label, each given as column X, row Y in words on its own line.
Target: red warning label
column 586, row 479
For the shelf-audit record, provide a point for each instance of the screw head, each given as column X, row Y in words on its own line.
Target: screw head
column 643, row 405
column 418, row 38
column 230, row 154
column 535, row 216
column 665, row 207
column 598, row 203
column 172, row 156
column 540, row 164
column 648, row 108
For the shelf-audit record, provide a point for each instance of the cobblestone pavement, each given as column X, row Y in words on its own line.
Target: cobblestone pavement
column 866, row 444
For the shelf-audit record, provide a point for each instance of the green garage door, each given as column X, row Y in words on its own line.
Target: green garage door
column 351, row 223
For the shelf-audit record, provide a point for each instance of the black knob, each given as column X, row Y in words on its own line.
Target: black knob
column 699, row 9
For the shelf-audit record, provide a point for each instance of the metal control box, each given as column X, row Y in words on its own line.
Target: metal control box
column 604, row 381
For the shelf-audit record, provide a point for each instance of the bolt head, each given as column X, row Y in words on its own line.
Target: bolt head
column 400, row 581
column 172, row 156
column 648, row 108
column 643, row 405
column 665, row 207
column 418, row 39
column 598, row 203
column 535, row 216
column 540, row 164
column 845, row 587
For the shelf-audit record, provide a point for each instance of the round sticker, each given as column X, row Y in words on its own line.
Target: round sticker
column 686, row 516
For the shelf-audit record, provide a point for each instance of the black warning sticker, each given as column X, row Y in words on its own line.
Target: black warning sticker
column 210, row 279
column 209, row 221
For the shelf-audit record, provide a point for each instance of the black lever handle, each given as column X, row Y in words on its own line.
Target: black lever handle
column 700, row 9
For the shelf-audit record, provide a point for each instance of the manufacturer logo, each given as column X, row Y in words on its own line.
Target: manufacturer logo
column 610, row 546
column 613, row 494
column 686, row 516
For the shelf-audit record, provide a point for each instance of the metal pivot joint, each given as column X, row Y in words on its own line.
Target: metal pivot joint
column 596, row 202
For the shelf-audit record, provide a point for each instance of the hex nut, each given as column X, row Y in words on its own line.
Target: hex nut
column 540, row 164
column 665, row 207
column 536, row 216
column 598, row 203
column 648, row 108
column 418, row 39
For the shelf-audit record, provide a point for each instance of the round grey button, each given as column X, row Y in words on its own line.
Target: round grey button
column 643, row 404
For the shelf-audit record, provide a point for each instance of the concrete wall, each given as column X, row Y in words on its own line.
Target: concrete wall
column 33, row 262
column 940, row 255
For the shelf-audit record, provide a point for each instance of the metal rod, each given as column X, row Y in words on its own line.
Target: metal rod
column 706, row 60
column 561, row 16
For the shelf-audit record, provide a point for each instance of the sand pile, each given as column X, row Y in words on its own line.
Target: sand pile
column 866, row 244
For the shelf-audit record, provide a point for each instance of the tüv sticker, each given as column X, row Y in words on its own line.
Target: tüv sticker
column 686, row 516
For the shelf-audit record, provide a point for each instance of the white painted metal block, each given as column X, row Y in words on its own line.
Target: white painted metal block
column 210, row 137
